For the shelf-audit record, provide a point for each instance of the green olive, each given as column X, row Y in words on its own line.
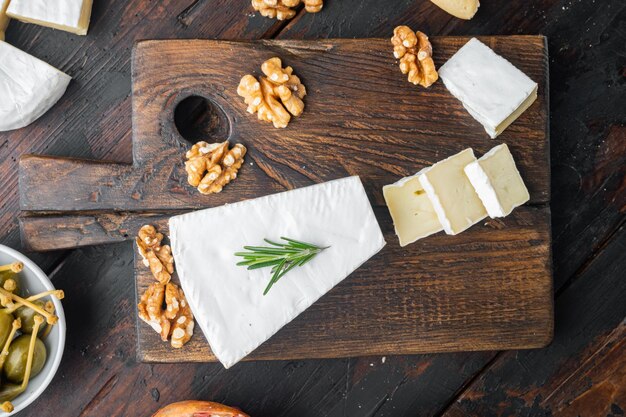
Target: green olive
column 27, row 316
column 5, row 275
column 15, row 364
column 6, row 324
column 8, row 392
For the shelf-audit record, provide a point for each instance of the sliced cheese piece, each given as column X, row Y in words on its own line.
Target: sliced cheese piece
column 463, row 9
column 4, row 19
column 413, row 214
column 28, row 87
column 492, row 90
column 456, row 203
column 497, row 181
column 227, row 300
column 69, row 15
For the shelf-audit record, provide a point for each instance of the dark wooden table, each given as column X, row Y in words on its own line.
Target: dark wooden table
column 583, row 372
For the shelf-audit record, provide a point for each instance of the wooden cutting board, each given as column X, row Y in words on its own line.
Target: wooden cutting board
column 489, row 288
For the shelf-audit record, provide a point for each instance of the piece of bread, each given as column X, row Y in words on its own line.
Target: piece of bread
column 198, row 409
column 463, row 9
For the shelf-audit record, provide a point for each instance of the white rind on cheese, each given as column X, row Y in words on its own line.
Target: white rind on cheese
column 28, row 87
column 452, row 195
column 69, row 15
column 492, row 89
column 497, row 181
column 4, row 19
column 227, row 300
column 413, row 214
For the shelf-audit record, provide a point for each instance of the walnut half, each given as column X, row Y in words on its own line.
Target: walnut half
column 414, row 51
column 285, row 9
column 211, row 166
column 156, row 257
column 165, row 308
column 276, row 96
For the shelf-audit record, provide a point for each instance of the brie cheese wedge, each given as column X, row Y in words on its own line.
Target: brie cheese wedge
column 69, row 15
column 492, row 90
column 28, row 87
column 227, row 300
column 456, row 203
column 413, row 214
column 498, row 182
column 4, row 19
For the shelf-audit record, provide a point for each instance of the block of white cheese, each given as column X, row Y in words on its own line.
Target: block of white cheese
column 69, row 15
column 227, row 300
column 28, row 87
column 492, row 90
column 452, row 195
column 497, row 181
column 4, row 19
column 413, row 214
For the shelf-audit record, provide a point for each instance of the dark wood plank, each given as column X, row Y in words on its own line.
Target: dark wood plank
column 583, row 373
column 485, row 289
column 388, row 130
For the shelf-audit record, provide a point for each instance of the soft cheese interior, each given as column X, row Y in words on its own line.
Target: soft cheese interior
column 413, row 214
column 228, row 300
column 492, row 89
column 454, row 199
column 498, row 182
column 68, row 15
column 28, row 87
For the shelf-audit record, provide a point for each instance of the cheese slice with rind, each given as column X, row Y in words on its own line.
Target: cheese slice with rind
column 69, row 15
column 455, row 201
column 497, row 181
column 413, row 215
column 227, row 300
column 28, row 87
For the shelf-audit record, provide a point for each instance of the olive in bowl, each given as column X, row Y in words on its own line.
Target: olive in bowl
column 32, row 331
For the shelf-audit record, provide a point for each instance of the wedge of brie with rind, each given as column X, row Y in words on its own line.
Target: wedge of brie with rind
column 492, row 89
column 454, row 199
column 4, row 19
column 497, row 181
column 69, row 15
column 413, row 214
column 227, row 300
column 28, row 87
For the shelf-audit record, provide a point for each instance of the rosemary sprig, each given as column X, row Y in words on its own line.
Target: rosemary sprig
column 282, row 257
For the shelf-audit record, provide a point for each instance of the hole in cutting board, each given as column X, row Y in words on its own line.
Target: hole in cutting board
column 198, row 118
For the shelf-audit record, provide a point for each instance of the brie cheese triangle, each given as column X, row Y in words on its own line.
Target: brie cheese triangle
column 227, row 300
column 28, row 87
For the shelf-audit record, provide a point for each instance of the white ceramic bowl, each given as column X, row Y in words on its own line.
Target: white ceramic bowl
column 33, row 281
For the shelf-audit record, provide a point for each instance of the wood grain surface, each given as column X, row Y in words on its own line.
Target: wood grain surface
column 486, row 289
column 375, row 125
column 588, row 198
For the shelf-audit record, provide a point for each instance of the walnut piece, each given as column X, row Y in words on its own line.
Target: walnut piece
column 276, row 96
column 285, row 9
column 211, row 166
column 156, row 257
column 414, row 51
column 163, row 305
column 182, row 323
column 165, row 308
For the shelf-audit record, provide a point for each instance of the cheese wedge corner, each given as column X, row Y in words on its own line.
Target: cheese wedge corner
column 68, row 15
